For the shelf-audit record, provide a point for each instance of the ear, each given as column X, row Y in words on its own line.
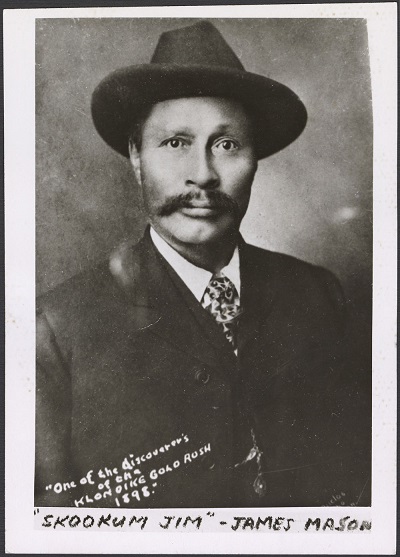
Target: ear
column 135, row 161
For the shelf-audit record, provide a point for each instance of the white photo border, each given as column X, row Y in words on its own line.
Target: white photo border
column 19, row 130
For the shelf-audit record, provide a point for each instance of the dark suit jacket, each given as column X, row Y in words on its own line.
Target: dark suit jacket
column 128, row 361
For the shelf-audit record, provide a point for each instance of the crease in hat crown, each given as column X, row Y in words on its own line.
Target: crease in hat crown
column 200, row 44
column 196, row 61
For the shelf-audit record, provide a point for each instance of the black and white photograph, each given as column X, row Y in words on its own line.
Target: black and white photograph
column 196, row 357
column 204, row 277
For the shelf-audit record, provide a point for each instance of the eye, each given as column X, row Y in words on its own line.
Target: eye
column 226, row 145
column 174, row 143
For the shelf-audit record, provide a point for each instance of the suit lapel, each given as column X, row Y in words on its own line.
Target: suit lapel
column 162, row 305
column 203, row 324
column 258, row 290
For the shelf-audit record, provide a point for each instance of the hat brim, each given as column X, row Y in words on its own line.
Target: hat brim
column 278, row 113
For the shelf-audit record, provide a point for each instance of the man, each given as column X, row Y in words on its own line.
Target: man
column 194, row 370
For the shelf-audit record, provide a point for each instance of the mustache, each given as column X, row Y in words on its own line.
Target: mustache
column 217, row 199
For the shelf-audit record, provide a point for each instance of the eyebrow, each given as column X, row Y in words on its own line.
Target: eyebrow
column 183, row 130
column 223, row 128
column 176, row 130
column 228, row 129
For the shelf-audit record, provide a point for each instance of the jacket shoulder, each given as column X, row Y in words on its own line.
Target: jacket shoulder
column 297, row 275
column 281, row 261
column 78, row 291
column 91, row 297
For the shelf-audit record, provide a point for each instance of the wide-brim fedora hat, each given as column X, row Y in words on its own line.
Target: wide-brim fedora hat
column 196, row 61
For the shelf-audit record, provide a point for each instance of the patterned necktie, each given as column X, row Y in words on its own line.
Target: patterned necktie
column 222, row 301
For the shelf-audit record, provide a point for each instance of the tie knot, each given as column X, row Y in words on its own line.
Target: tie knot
column 221, row 287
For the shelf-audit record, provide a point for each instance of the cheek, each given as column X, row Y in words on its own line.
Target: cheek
column 156, row 182
column 239, row 181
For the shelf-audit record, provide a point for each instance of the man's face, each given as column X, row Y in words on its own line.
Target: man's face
column 196, row 165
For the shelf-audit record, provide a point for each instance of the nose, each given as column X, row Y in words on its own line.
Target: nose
column 201, row 171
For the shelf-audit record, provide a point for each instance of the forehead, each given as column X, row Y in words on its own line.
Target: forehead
column 198, row 114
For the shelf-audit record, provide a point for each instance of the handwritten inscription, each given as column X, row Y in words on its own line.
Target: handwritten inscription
column 340, row 525
column 205, row 521
column 129, row 482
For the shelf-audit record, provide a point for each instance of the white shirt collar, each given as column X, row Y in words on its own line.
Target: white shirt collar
column 195, row 278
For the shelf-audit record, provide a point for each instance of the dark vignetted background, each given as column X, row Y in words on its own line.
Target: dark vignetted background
column 312, row 200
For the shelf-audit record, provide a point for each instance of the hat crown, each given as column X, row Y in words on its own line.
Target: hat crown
column 199, row 44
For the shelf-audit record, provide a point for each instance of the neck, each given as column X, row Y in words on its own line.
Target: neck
column 212, row 256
